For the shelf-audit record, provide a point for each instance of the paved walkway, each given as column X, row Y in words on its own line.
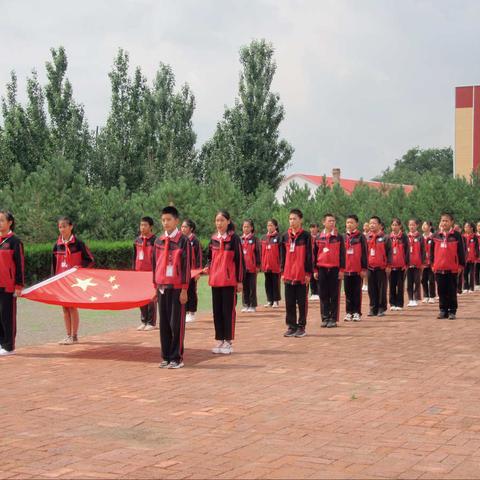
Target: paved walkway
column 392, row 397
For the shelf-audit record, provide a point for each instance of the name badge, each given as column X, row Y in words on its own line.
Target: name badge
column 326, row 250
column 269, row 247
column 140, row 255
column 443, row 244
column 244, row 251
column 169, row 272
column 350, row 251
column 411, row 249
column 64, row 264
column 372, row 252
column 292, row 247
column 394, row 250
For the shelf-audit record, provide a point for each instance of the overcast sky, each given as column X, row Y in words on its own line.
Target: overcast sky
column 361, row 81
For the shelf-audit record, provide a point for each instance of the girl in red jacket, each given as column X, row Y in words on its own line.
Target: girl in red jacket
column 69, row 251
column 416, row 250
column 252, row 259
column 11, row 281
column 271, row 263
column 428, row 277
column 398, row 261
column 225, row 267
column 471, row 257
column 477, row 265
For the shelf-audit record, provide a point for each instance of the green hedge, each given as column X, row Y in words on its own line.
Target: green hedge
column 112, row 255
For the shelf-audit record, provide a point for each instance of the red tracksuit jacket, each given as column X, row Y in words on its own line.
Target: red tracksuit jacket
column 398, row 258
column 196, row 251
column 73, row 253
column 355, row 253
column 142, row 253
column 427, row 242
column 271, row 253
column 11, row 263
column 329, row 250
column 296, row 254
column 225, row 261
column 251, row 252
column 378, row 251
column 171, row 261
column 447, row 253
column 471, row 247
column 416, row 249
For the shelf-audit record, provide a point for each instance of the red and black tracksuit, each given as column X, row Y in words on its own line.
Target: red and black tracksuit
column 252, row 258
column 471, row 251
column 378, row 253
column 416, row 250
column 329, row 255
column 11, row 277
column 398, row 262
column 477, row 264
column 447, row 257
column 72, row 253
column 296, row 254
column 142, row 262
column 196, row 250
column 271, row 265
column 226, row 270
column 171, row 274
column 428, row 277
column 355, row 264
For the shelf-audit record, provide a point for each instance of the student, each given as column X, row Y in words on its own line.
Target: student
column 378, row 254
column 366, row 232
column 252, row 258
column 188, row 229
column 471, row 244
column 142, row 261
column 416, row 250
column 271, row 263
column 171, row 276
column 297, row 267
column 428, row 277
column 447, row 257
column 329, row 258
column 11, row 281
column 397, row 261
column 477, row 265
column 314, row 288
column 458, row 229
column 355, row 269
column 226, row 268
column 69, row 251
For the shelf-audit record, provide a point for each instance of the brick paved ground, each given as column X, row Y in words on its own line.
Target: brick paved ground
column 396, row 397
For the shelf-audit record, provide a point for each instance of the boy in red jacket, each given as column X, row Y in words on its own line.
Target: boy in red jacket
column 142, row 261
column 397, row 261
column 314, row 290
column 252, row 259
column 329, row 257
column 447, row 256
column 171, row 275
column 471, row 248
column 271, row 263
column 378, row 254
column 416, row 250
column 297, row 267
column 355, row 269
column 477, row 264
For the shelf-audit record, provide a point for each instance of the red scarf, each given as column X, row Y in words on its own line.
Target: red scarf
column 349, row 236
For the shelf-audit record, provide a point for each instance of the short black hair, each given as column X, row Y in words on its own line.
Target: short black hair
column 170, row 210
column 250, row 222
column 447, row 214
column 148, row 220
column 314, row 225
column 328, row 214
column 353, row 217
column 297, row 212
column 396, row 220
column 378, row 219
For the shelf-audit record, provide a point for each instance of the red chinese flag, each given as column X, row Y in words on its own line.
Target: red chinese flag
column 95, row 289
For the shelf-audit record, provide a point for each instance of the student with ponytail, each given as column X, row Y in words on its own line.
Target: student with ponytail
column 271, row 263
column 471, row 252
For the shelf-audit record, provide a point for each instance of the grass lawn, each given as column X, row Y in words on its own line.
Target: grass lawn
column 40, row 323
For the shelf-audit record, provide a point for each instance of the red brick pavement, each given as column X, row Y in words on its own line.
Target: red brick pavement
column 392, row 397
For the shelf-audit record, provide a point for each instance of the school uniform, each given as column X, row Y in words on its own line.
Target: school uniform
column 416, row 250
column 252, row 257
column 377, row 255
column 477, row 264
column 296, row 263
column 11, row 277
column 355, row 263
column 329, row 255
column 428, row 277
column 270, row 244
column 142, row 262
column 226, row 270
column 447, row 256
column 196, row 251
column 171, row 273
column 398, row 259
column 460, row 273
column 69, row 254
column 471, row 244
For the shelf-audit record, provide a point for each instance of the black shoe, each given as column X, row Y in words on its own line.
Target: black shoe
column 371, row 313
column 452, row 316
column 324, row 323
column 442, row 315
column 290, row 332
column 332, row 324
column 381, row 313
column 300, row 332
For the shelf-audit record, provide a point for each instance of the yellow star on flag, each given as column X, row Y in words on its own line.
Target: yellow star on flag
column 107, row 295
column 114, row 287
column 92, row 299
column 112, row 278
column 84, row 284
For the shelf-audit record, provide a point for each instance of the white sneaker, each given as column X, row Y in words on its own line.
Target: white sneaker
column 190, row 317
column 356, row 317
column 398, row 309
column 464, row 291
column 477, row 287
column 141, row 327
column 275, row 305
column 365, row 288
column 425, row 300
column 245, row 309
column 393, row 308
column 68, row 340
column 414, row 303
column 218, row 346
column 5, row 353
column 227, row 348
column 431, row 300
column 410, row 304
column 251, row 310
column 149, row 327
column 348, row 317
column 268, row 305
